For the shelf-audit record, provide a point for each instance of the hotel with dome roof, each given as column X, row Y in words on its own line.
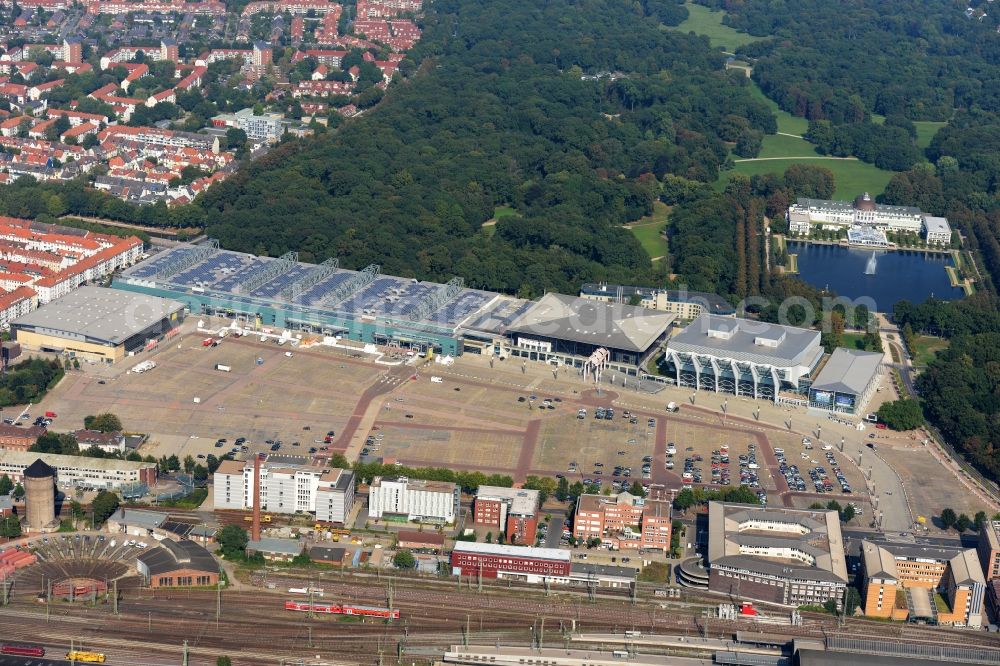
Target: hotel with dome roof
column 805, row 214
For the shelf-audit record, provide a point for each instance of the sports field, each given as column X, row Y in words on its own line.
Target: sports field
column 703, row 21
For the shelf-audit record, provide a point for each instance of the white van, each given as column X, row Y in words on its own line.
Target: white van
column 437, row 380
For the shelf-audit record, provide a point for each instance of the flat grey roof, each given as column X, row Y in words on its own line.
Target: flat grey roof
column 747, row 340
column 848, row 371
column 276, row 545
column 939, row 224
column 614, row 325
column 108, row 315
column 822, row 540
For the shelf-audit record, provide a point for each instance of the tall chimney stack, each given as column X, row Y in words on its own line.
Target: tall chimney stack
column 255, row 529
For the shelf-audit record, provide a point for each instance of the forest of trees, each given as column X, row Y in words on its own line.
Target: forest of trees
column 501, row 113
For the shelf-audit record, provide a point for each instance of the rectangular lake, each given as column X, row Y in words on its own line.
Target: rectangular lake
column 901, row 274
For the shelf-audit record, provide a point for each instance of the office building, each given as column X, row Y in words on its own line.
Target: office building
column 513, row 511
column 81, row 471
column 624, row 521
column 286, row 488
column 785, row 556
column 402, row 499
column 907, row 581
column 685, row 305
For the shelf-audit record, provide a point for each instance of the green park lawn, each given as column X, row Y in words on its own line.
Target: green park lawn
column 852, row 340
column 925, row 347
column 781, row 145
column 926, row 129
column 648, row 230
column 703, row 21
column 500, row 212
column 787, row 123
column 852, row 177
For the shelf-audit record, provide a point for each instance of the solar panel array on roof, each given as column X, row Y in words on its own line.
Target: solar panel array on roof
column 319, row 290
column 272, row 288
column 150, row 267
column 386, row 296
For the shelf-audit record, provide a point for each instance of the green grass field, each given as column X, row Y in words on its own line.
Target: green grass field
column 852, row 340
column 787, row 123
column 852, row 177
column 703, row 21
column 648, row 230
column 780, row 145
column 926, row 129
column 500, row 212
column 925, row 348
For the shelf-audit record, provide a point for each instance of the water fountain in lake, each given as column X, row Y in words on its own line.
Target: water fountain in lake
column 871, row 265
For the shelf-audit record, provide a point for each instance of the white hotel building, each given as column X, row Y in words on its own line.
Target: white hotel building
column 286, row 488
column 403, row 499
column 805, row 214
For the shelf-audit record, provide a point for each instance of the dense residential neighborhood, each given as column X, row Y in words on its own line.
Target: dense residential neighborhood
column 143, row 102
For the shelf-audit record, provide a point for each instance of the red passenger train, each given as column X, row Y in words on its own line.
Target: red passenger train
column 22, row 650
column 343, row 609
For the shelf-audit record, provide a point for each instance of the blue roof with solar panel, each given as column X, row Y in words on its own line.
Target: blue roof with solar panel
column 306, row 295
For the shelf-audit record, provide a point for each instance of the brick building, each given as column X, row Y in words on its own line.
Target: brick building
column 178, row 564
column 513, row 511
column 988, row 549
column 14, row 438
column 902, row 581
column 625, row 521
column 517, row 562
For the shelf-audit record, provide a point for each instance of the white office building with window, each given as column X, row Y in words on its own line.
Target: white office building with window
column 286, row 488
column 402, row 499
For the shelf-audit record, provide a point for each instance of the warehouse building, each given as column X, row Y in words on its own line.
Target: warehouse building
column 286, row 488
column 904, row 581
column 847, row 381
column 178, row 564
column 783, row 556
column 81, row 471
column 98, row 324
column 744, row 357
column 402, row 499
